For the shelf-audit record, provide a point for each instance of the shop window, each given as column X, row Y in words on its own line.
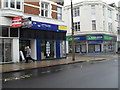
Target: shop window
column 5, row 31
column 63, row 48
column 48, row 49
column 14, row 32
column 44, row 9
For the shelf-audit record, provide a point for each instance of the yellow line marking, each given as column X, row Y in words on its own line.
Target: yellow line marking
column 17, row 78
column 46, row 72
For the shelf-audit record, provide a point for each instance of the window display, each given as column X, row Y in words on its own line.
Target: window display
column 48, row 49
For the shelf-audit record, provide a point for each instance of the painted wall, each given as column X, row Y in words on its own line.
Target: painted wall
column 15, row 50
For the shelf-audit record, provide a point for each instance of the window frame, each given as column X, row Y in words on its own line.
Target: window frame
column 15, row 5
column 76, row 26
column 44, row 9
column 59, row 13
column 93, row 24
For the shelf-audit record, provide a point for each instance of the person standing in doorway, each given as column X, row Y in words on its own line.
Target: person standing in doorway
column 28, row 54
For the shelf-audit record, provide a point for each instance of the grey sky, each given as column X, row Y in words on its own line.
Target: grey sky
column 67, row 2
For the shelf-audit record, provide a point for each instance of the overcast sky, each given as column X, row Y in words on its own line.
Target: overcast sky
column 67, row 2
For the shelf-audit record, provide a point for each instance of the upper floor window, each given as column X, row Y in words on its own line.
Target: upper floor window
column 103, row 10
column 76, row 12
column 93, row 9
column 15, row 4
column 76, row 26
column 18, row 6
column 12, row 3
column 44, row 9
column 110, row 27
column 5, row 3
column 109, row 13
column 93, row 24
column 59, row 13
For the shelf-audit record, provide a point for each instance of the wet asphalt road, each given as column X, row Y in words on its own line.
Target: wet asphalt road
column 103, row 74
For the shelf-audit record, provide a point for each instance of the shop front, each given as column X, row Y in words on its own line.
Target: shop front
column 8, row 45
column 47, row 41
column 93, row 44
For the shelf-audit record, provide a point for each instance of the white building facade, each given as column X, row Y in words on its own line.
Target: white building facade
column 95, row 27
column 46, row 37
column 119, row 26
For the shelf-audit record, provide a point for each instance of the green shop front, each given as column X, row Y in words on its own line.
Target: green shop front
column 93, row 44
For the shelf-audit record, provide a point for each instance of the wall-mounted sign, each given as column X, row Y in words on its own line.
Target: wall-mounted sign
column 48, row 26
column 62, row 28
column 94, row 37
column 44, row 26
column 94, row 42
column 17, row 21
column 106, row 37
column 76, row 38
column 26, row 22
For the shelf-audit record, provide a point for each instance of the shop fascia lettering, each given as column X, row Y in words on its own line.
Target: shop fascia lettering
column 90, row 37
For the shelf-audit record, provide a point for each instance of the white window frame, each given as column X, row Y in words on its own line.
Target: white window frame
column 93, row 9
column 93, row 24
column 44, row 9
column 15, row 8
column 78, row 26
column 59, row 13
column 76, row 11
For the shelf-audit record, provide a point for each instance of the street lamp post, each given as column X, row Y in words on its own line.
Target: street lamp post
column 73, row 44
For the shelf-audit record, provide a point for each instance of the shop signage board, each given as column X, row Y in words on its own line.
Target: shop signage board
column 48, row 26
column 62, row 28
column 94, row 37
column 76, row 38
column 106, row 37
column 17, row 21
column 93, row 42
column 26, row 22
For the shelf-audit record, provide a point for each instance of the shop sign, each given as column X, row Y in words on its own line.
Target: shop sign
column 62, row 28
column 93, row 42
column 94, row 37
column 17, row 21
column 44, row 26
column 106, row 37
column 76, row 38
column 26, row 22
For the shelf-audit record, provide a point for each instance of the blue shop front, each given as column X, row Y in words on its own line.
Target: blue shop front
column 47, row 41
column 93, row 43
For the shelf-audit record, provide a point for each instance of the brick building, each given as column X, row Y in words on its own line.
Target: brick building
column 46, row 35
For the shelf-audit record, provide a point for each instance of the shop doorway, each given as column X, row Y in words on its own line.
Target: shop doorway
column 22, row 45
column 5, row 50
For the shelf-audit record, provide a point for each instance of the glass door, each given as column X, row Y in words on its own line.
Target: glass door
column 5, row 50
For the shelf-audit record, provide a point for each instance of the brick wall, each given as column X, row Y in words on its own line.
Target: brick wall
column 54, row 15
column 31, row 10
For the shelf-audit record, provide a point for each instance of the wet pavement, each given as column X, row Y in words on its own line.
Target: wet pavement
column 97, row 74
column 46, row 63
